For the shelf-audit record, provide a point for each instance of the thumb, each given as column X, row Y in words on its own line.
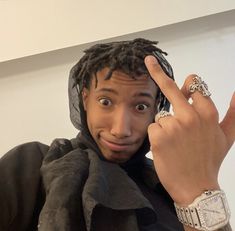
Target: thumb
column 228, row 123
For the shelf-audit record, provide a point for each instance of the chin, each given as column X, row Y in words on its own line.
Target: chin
column 117, row 157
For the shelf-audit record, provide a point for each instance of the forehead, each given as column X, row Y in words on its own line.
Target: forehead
column 123, row 81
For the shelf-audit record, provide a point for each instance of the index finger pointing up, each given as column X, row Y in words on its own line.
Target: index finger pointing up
column 167, row 85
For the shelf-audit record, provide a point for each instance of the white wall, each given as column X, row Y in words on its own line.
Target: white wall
column 31, row 27
column 33, row 90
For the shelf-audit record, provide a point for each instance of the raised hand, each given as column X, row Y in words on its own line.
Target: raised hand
column 189, row 146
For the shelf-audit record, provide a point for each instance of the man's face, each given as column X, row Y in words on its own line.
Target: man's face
column 119, row 111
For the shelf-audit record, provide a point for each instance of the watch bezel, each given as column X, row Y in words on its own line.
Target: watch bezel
column 207, row 196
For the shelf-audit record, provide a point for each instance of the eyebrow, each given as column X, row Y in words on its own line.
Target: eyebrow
column 144, row 94
column 108, row 90
column 139, row 94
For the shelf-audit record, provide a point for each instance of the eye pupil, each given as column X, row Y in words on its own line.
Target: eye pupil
column 105, row 102
column 141, row 107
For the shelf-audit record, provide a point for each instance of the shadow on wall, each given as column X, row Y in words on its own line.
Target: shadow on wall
column 69, row 55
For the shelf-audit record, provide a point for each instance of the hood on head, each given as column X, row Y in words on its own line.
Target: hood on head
column 78, row 114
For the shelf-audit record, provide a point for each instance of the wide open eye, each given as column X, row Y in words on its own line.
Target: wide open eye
column 141, row 107
column 105, row 102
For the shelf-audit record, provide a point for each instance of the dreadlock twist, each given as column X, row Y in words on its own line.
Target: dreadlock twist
column 125, row 56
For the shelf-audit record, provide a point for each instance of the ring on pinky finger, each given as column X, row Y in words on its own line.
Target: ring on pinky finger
column 162, row 114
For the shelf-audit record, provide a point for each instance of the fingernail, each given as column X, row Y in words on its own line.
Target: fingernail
column 151, row 59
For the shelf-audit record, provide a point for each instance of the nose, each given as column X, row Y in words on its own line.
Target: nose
column 121, row 123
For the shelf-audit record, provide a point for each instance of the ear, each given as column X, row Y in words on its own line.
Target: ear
column 85, row 93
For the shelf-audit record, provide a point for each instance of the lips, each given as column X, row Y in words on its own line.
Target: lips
column 117, row 147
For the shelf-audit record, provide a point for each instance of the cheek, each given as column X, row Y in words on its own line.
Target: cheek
column 95, row 119
column 140, row 125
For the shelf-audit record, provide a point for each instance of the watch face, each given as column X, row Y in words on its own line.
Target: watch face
column 213, row 211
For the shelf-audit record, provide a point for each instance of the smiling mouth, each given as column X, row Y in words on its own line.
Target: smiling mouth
column 115, row 146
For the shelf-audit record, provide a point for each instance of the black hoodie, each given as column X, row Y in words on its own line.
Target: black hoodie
column 69, row 186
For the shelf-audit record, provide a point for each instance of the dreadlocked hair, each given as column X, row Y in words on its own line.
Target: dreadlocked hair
column 125, row 56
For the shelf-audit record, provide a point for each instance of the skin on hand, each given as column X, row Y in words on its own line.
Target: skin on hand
column 189, row 146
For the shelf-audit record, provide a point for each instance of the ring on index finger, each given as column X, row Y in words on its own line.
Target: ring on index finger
column 162, row 114
column 199, row 85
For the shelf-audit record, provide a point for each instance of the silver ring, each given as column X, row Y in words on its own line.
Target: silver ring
column 162, row 114
column 199, row 85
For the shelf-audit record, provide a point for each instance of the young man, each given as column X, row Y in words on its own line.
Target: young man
column 101, row 180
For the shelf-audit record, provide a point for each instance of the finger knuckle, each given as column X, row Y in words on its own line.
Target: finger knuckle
column 189, row 79
column 154, row 132
column 191, row 119
column 158, row 143
column 151, row 127
column 211, row 115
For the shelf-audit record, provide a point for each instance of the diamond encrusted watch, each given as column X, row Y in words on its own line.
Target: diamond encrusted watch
column 208, row 212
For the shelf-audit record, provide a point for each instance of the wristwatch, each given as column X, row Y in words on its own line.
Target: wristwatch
column 207, row 212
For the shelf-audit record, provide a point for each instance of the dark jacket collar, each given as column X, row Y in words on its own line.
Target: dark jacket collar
column 71, row 172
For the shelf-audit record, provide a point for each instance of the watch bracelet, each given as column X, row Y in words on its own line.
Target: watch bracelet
column 226, row 228
column 188, row 216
